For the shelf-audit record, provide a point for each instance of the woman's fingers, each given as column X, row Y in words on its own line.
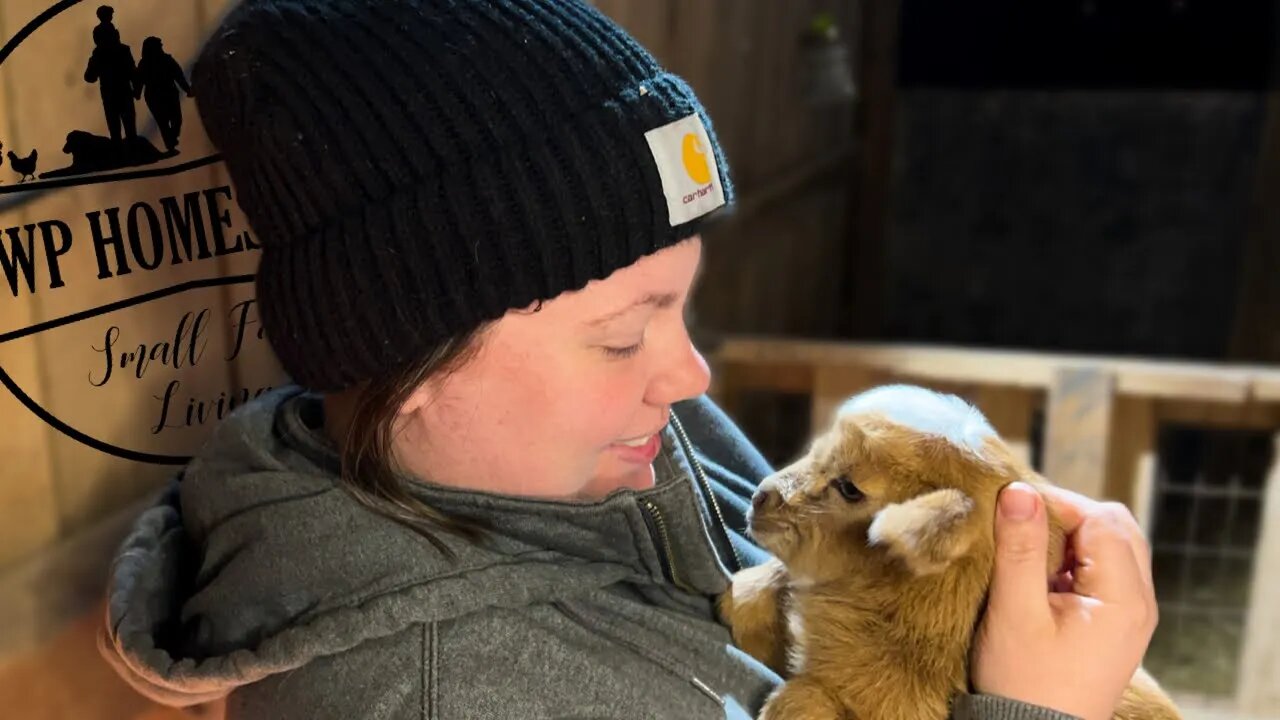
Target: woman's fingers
column 1089, row 632
column 1071, row 508
column 1121, row 516
column 1022, row 542
column 1106, row 565
column 1075, row 511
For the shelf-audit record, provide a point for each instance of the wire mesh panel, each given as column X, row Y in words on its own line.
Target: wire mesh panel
column 1208, row 505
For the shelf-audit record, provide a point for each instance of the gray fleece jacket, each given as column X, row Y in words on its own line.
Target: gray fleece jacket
column 254, row 576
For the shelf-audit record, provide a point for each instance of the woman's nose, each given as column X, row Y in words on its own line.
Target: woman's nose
column 687, row 376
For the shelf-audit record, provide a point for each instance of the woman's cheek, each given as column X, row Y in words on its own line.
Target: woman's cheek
column 610, row 412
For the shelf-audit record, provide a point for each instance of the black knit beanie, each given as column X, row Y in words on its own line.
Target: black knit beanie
column 414, row 168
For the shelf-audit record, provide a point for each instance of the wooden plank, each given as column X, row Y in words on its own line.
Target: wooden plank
column 786, row 182
column 693, row 50
column 832, row 386
column 28, row 499
column 1181, row 380
column 1266, row 388
column 799, row 133
column 1034, row 370
column 1009, row 412
column 1131, row 459
column 770, row 36
column 1078, row 424
column 51, row 598
column 816, row 129
column 780, row 378
column 88, row 481
column 649, row 22
column 811, row 307
column 1256, row 337
column 615, row 9
column 1259, row 678
column 736, row 90
column 1248, row 416
column 722, row 391
column 917, row 361
column 869, row 199
column 28, row 503
column 211, row 12
column 1008, row 409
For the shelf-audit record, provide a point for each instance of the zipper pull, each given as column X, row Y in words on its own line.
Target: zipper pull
column 707, row 690
column 662, row 542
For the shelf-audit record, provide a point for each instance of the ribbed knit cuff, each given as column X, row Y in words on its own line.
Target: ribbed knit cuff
column 994, row 707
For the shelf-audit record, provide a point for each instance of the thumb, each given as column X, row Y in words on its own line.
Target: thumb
column 1019, row 582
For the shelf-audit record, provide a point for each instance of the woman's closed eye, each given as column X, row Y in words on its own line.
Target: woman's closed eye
column 625, row 352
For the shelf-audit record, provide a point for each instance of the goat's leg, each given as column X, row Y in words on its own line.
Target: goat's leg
column 753, row 607
column 801, row 699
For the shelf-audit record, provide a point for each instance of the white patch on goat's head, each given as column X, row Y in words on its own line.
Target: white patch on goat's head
column 927, row 412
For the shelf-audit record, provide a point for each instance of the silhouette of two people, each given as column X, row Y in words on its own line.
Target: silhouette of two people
column 120, row 82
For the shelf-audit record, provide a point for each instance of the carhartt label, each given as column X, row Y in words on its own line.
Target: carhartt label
column 687, row 166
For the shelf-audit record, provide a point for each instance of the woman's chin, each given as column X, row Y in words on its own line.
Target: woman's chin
column 640, row 477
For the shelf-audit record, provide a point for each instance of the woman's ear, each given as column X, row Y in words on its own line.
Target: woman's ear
column 926, row 532
column 418, row 399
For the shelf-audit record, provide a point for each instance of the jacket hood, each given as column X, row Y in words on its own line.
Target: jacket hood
column 254, row 561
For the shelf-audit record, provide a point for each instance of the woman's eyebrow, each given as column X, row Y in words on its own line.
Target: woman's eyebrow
column 659, row 300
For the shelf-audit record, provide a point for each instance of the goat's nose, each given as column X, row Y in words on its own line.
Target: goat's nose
column 763, row 497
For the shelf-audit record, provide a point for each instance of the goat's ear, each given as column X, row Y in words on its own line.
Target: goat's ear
column 926, row 532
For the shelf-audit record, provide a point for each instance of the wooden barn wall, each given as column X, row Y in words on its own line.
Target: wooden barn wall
column 775, row 267
column 63, row 502
column 51, row 485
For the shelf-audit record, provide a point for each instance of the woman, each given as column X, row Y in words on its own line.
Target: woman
column 503, row 491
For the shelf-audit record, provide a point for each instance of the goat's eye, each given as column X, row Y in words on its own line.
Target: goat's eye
column 847, row 489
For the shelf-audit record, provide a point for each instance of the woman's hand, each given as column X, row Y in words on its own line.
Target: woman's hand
column 1073, row 647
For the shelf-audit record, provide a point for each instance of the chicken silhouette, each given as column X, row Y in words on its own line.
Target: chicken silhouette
column 23, row 166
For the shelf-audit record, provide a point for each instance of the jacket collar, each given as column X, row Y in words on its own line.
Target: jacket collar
column 659, row 532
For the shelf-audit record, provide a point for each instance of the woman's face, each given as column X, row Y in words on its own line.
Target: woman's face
column 541, row 409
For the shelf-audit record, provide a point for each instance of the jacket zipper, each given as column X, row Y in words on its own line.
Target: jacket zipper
column 658, row 529
column 706, row 487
